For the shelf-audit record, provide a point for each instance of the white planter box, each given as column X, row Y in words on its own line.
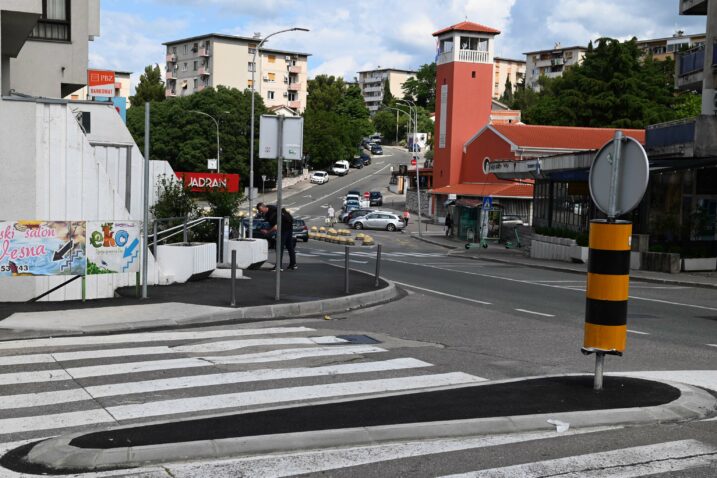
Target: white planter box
column 699, row 264
column 579, row 254
column 180, row 262
column 250, row 252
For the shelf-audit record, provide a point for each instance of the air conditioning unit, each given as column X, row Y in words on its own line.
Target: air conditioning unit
column 266, row 77
column 286, row 79
column 286, row 94
column 288, row 58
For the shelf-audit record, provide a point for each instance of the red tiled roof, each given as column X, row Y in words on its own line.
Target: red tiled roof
column 507, row 190
column 562, row 137
column 468, row 27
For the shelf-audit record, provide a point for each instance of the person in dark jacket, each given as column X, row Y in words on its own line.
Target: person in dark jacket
column 287, row 236
column 449, row 225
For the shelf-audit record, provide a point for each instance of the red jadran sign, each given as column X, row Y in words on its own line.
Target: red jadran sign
column 201, row 182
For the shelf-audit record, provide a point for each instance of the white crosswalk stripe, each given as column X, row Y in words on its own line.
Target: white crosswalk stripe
column 370, row 254
column 51, row 386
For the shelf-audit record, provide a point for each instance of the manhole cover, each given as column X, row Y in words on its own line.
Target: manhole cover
column 359, row 339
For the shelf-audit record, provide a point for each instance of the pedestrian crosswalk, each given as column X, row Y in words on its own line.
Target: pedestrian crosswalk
column 369, row 254
column 71, row 384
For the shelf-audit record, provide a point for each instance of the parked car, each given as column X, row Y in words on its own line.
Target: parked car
column 260, row 225
column 340, row 168
column 319, row 177
column 376, row 149
column 357, row 213
column 356, row 198
column 512, row 220
column 378, row 220
column 353, row 192
column 301, row 230
column 375, row 138
column 357, row 163
column 350, row 206
column 366, row 158
column 375, row 198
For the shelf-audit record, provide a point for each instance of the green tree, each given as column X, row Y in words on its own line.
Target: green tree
column 186, row 140
column 335, row 120
column 615, row 86
column 507, row 96
column 387, row 95
column 384, row 122
column 422, row 88
column 150, row 86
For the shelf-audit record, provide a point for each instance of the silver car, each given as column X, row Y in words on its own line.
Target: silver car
column 378, row 220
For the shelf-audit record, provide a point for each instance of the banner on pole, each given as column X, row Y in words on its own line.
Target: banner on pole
column 42, row 248
column 113, row 247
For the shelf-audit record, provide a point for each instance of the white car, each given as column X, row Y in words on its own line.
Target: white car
column 340, row 168
column 319, row 177
column 355, row 197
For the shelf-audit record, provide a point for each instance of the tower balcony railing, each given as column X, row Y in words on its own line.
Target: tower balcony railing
column 466, row 56
column 445, row 57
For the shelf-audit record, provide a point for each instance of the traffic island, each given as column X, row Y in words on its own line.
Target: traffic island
column 471, row 410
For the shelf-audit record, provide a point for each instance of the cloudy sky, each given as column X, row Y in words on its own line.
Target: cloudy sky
column 352, row 35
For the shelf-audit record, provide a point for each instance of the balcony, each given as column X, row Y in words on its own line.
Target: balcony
column 295, row 69
column 693, row 7
column 169, row 92
column 294, row 86
column 204, row 51
column 171, row 58
column 445, row 57
column 170, row 75
column 687, row 138
column 203, row 71
column 473, row 56
column 295, row 105
column 690, row 69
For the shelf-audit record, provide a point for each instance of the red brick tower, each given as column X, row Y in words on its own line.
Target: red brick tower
column 464, row 90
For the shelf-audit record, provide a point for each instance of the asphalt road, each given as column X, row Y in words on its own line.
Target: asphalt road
column 461, row 321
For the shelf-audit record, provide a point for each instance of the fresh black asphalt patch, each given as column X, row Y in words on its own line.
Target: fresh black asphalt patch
column 525, row 397
column 543, row 395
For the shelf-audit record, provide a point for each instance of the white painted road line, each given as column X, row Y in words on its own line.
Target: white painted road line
column 441, row 293
column 699, row 378
column 293, row 354
column 146, row 386
column 87, row 340
column 136, row 367
column 637, row 332
column 350, row 260
column 37, row 399
column 52, row 422
column 34, row 377
column 240, row 344
column 535, row 313
column 289, row 394
column 624, row 463
column 712, row 345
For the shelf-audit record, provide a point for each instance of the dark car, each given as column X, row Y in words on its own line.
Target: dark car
column 260, row 225
column 350, row 206
column 356, row 213
column 357, row 163
column 301, row 230
column 353, row 192
column 366, row 158
column 376, row 149
column 375, row 198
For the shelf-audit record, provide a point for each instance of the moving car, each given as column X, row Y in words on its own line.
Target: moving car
column 357, row 213
column 378, row 220
column 350, row 206
column 340, row 168
column 375, row 198
column 512, row 220
column 376, row 149
column 356, row 198
column 301, row 230
column 319, row 177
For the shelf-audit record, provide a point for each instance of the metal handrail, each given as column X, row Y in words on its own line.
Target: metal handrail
column 184, row 229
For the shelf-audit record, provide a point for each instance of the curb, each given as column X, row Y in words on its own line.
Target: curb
column 261, row 312
column 56, row 453
column 653, row 280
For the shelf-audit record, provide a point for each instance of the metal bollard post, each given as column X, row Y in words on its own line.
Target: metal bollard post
column 346, row 266
column 154, row 244
column 185, row 232
column 234, row 279
column 378, row 266
column 599, row 365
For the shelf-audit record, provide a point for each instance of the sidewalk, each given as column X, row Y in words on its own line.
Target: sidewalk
column 435, row 234
column 314, row 289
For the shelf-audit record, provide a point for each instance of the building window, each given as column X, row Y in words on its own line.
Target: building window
column 186, row 49
column 54, row 24
column 272, row 76
column 195, row 47
column 292, row 96
column 174, row 50
column 251, row 67
column 196, row 83
column 184, row 66
column 195, row 65
column 269, row 95
column 271, row 58
column 249, row 84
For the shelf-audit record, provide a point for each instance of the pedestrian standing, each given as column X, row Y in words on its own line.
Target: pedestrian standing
column 331, row 215
column 449, row 225
column 287, row 232
column 406, row 216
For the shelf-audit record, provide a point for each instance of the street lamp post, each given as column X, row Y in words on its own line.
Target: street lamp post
column 217, row 125
column 414, row 109
column 251, row 127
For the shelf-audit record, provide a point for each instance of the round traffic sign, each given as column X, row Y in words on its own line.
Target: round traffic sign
column 413, row 162
column 633, row 173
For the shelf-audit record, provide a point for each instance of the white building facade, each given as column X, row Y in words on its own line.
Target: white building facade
column 551, row 63
column 373, row 84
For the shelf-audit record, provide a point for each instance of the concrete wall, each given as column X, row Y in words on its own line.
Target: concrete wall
column 230, row 65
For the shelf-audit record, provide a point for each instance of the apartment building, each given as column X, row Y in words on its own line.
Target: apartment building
column 215, row 59
column 506, row 69
column 57, row 46
column 373, row 84
column 551, row 63
column 664, row 48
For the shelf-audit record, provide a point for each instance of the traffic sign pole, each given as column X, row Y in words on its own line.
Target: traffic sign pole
column 618, row 180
